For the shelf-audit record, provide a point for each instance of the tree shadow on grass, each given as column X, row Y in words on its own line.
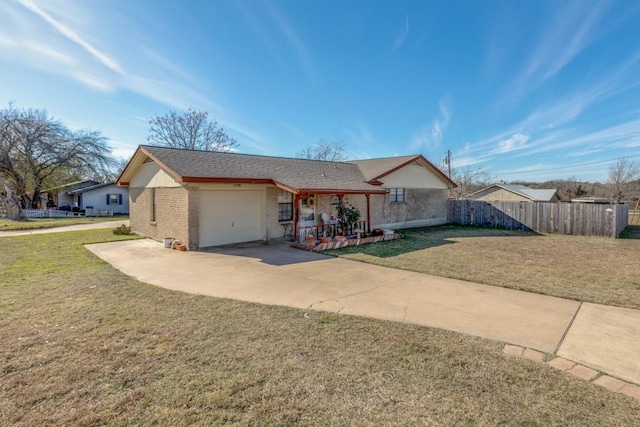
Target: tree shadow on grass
column 416, row 239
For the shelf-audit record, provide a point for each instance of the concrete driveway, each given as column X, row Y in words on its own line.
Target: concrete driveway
column 77, row 227
column 279, row 275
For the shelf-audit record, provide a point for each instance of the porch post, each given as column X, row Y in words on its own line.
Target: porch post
column 296, row 216
column 368, row 213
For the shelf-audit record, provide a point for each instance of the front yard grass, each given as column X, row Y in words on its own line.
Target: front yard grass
column 34, row 223
column 83, row 344
column 592, row 269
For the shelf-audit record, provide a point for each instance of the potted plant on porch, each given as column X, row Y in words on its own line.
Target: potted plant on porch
column 348, row 216
column 311, row 238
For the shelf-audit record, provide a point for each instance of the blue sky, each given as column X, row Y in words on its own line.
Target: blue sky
column 527, row 90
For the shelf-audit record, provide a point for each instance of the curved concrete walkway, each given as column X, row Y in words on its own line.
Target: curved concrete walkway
column 604, row 338
column 77, row 227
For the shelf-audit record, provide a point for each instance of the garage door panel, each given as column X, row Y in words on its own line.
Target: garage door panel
column 230, row 217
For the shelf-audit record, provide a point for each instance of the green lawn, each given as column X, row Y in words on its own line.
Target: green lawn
column 33, row 223
column 593, row 269
column 83, row 344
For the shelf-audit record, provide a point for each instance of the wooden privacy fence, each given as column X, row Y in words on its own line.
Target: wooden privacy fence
column 565, row 218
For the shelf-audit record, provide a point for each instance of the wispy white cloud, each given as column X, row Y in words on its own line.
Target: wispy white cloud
column 571, row 29
column 295, row 131
column 623, row 135
column 431, row 136
column 460, row 162
column 554, row 126
column 74, row 37
column 361, row 135
column 121, row 149
column 293, row 38
column 52, row 53
column 402, row 34
column 66, row 46
column 513, row 143
column 92, row 80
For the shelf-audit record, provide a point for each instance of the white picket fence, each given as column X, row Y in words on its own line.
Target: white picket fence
column 57, row 213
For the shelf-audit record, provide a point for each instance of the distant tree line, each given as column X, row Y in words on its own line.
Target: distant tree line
column 622, row 183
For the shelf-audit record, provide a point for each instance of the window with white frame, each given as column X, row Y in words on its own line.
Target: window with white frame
column 396, row 195
column 285, row 205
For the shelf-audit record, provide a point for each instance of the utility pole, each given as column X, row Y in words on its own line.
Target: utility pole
column 448, row 161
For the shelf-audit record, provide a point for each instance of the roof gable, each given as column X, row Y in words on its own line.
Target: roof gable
column 375, row 169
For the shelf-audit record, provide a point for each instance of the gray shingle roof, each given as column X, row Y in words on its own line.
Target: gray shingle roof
column 91, row 188
column 299, row 174
column 540, row 195
column 536, row 195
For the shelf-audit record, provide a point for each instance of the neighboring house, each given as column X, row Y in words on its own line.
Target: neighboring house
column 514, row 193
column 210, row 198
column 62, row 196
column 102, row 197
column 90, row 194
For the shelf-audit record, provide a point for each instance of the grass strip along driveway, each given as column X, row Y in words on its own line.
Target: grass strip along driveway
column 590, row 269
column 83, row 344
column 37, row 223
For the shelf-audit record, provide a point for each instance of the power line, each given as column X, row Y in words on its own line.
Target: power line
column 567, row 167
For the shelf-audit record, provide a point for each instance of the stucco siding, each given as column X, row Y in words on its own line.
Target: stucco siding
column 151, row 175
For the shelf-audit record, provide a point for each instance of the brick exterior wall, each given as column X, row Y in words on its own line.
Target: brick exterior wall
column 173, row 214
column 423, row 207
column 274, row 229
column 193, row 215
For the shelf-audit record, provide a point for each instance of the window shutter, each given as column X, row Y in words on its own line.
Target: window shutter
column 108, row 199
column 119, row 199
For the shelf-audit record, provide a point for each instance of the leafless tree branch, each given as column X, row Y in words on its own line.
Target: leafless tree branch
column 191, row 130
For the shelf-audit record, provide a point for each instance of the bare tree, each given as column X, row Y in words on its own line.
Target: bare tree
column 621, row 177
column 331, row 150
column 191, row 130
column 35, row 148
column 112, row 174
column 468, row 180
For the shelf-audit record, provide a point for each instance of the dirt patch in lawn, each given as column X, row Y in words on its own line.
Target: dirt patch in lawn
column 82, row 344
column 593, row 269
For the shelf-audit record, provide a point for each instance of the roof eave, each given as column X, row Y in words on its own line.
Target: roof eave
column 141, row 149
column 339, row 191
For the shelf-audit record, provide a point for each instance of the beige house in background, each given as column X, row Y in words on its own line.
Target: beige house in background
column 514, row 193
column 207, row 198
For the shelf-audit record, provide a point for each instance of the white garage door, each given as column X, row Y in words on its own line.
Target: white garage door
column 230, row 217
